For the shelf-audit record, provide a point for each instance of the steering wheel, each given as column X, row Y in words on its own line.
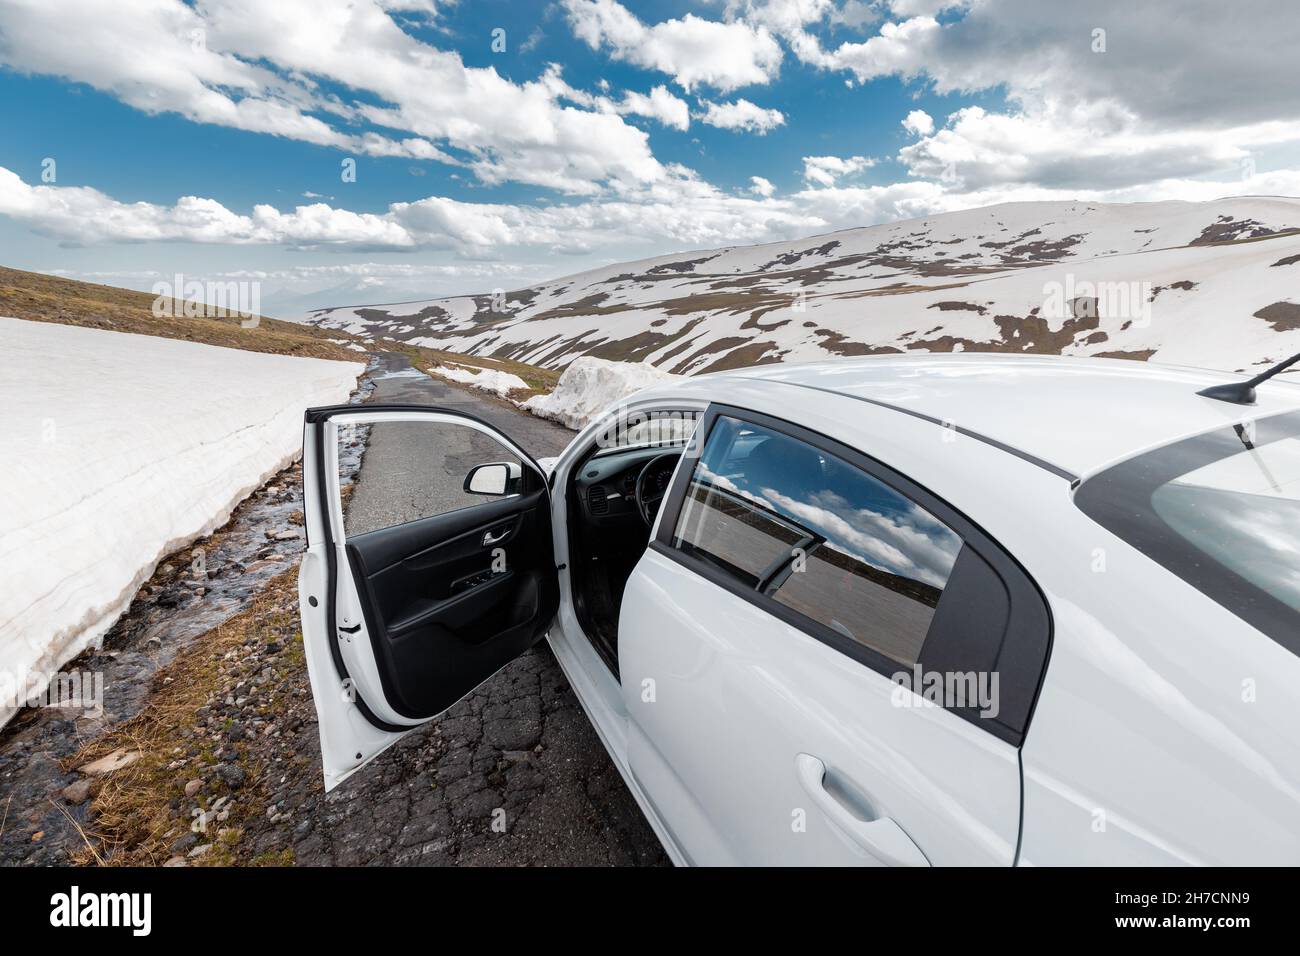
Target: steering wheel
column 649, row 495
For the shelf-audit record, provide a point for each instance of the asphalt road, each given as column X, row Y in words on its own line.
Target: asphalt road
column 520, row 742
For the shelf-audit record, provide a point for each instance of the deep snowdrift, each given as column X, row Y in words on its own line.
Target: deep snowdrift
column 589, row 386
column 129, row 447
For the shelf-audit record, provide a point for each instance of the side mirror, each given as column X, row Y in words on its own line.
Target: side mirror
column 494, row 478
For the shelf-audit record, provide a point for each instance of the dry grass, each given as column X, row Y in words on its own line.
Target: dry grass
column 135, row 813
column 43, row 298
column 540, row 381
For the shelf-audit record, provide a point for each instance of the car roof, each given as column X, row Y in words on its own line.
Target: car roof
column 1075, row 415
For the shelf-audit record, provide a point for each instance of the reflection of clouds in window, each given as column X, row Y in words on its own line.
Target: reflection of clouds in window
column 911, row 544
column 1257, row 536
column 903, row 539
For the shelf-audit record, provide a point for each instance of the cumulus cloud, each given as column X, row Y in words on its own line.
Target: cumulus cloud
column 740, row 115
column 692, row 50
column 827, row 170
column 660, row 104
column 254, row 66
column 1085, row 147
column 761, row 187
column 919, row 123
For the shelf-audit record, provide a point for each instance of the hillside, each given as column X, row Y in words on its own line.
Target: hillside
column 43, row 298
column 1186, row 283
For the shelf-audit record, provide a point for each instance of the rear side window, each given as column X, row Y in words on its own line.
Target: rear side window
column 819, row 536
column 1222, row 511
column 857, row 556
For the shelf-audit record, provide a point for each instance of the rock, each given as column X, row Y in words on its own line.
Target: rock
column 193, row 787
column 176, row 861
column 78, row 792
column 199, row 851
column 184, row 843
column 115, row 761
column 269, row 562
column 232, row 776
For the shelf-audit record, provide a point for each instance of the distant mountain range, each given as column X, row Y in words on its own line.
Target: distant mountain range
column 1214, row 284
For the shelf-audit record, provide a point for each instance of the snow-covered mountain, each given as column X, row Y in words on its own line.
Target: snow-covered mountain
column 1214, row 284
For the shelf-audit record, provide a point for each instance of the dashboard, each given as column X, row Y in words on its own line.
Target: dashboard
column 606, row 484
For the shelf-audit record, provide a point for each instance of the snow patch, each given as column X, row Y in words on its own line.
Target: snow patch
column 129, row 447
column 488, row 379
column 589, row 386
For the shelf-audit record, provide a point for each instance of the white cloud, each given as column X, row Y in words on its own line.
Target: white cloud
column 692, row 50
column 253, row 66
column 919, row 123
column 679, row 211
column 660, row 104
column 826, row 170
column 1087, row 147
column 740, row 115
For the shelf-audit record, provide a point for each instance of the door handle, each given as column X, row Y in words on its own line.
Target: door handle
column 882, row 837
column 490, row 539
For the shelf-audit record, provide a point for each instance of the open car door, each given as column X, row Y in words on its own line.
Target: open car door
column 429, row 567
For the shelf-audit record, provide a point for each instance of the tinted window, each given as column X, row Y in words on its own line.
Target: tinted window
column 818, row 535
column 1222, row 511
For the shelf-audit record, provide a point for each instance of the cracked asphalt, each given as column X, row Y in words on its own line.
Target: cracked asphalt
column 519, row 743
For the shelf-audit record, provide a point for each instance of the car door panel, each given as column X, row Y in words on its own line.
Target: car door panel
column 738, row 695
column 439, row 612
column 400, row 622
column 764, row 736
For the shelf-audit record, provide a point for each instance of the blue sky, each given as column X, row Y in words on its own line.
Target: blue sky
column 549, row 156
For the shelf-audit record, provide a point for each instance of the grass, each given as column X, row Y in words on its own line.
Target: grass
column 44, row 298
column 141, row 810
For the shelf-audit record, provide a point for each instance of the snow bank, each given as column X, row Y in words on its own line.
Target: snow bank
column 128, row 447
column 589, row 386
column 488, row 379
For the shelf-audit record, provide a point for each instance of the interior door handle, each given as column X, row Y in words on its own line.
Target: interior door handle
column 882, row 837
column 490, row 539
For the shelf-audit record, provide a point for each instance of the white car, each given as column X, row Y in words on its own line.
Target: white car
column 965, row 609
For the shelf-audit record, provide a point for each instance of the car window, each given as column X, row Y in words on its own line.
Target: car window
column 394, row 472
column 1222, row 511
column 818, row 535
column 663, row 428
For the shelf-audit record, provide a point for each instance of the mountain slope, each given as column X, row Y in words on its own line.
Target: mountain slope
column 44, row 298
column 1212, row 284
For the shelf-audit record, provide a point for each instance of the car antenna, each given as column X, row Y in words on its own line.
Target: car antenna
column 1243, row 393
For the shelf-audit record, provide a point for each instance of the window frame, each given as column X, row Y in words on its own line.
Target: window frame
column 1025, row 646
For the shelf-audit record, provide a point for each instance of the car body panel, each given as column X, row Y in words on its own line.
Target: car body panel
column 723, row 698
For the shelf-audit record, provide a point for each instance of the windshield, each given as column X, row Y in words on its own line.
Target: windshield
column 1232, row 496
column 670, row 429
